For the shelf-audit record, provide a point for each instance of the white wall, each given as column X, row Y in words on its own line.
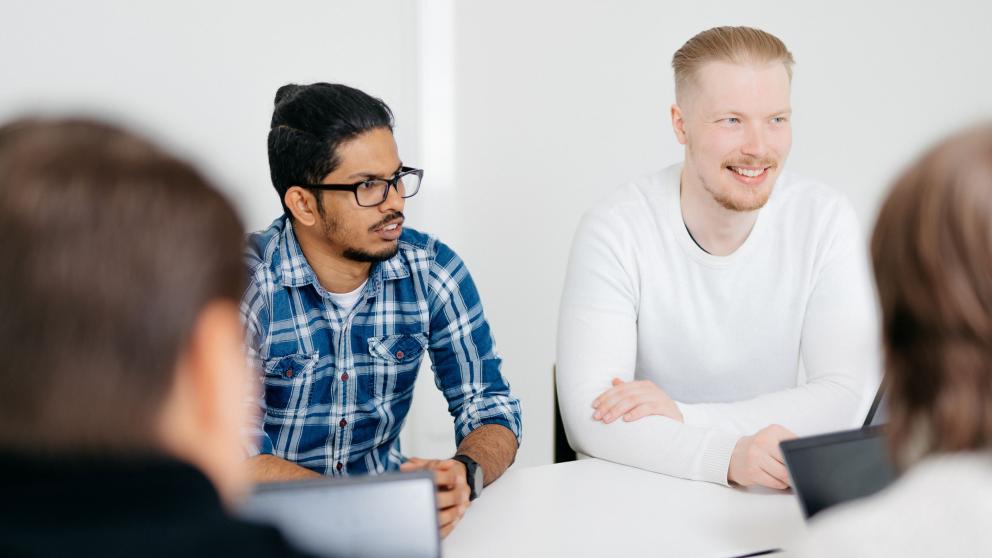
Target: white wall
column 202, row 76
column 555, row 104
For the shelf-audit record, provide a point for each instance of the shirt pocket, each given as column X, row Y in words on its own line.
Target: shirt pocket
column 395, row 362
column 288, row 382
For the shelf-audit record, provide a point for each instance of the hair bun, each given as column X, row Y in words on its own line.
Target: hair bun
column 285, row 91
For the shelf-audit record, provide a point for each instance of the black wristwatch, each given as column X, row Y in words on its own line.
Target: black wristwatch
column 474, row 475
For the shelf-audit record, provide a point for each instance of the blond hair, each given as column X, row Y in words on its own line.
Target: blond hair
column 737, row 45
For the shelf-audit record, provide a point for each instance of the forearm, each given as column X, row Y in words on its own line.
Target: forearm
column 653, row 443
column 269, row 468
column 493, row 447
column 822, row 405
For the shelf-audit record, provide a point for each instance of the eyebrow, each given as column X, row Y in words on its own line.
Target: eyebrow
column 721, row 113
column 367, row 175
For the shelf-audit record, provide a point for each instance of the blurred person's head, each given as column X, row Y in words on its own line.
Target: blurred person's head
column 119, row 324
column 932, row 255
column 732, row 113
column 333, row 134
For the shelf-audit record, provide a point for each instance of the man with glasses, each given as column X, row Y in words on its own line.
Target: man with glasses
column 343, row 303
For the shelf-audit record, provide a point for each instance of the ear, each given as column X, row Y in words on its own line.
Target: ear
column 204, row 419
column 678, row 124
column 302, row 204
column 213, row 345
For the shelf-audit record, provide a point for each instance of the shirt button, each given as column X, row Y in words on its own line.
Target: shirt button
column 344, row 377
column 399, row 354
column 289, row 373
column 343, row 423
column 340, row 466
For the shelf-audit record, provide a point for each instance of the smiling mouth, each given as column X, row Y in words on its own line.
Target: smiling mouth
column 749, row 172
column 390, row 223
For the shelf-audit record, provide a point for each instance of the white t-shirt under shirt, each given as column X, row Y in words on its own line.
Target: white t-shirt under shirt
column 726, row 337
column 347, row 301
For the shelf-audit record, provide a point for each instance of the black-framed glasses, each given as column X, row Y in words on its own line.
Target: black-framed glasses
column 372, row 192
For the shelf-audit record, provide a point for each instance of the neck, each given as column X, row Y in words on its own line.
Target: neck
column 335, row 272
column 717, row 230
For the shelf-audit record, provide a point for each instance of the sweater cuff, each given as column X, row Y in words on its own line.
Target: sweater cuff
column 715, row 459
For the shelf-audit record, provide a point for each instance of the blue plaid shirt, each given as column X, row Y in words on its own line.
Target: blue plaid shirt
column 338, row 385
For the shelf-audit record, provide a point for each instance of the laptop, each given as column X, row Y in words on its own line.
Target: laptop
column 832, row 468
column 393, row 514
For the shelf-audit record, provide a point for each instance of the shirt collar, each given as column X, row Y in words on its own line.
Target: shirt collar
column 295, row 270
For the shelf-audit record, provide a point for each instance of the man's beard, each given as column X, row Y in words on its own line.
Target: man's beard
column 357, row 254
column 750, row 202
column 735, row 203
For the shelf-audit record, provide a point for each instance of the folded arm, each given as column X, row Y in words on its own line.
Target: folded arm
column 597, row 341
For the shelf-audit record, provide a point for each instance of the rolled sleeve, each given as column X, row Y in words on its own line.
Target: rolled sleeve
column 463, row 352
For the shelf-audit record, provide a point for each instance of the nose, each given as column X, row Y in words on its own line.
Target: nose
column 394, row 201
column 755, row 143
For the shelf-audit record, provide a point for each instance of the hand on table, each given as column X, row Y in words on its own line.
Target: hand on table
column 632, row 401
column 757, row 459
column 452, row 489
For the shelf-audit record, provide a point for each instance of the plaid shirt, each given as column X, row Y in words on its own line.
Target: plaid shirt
column 338, row 386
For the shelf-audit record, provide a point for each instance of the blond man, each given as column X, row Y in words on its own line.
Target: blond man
column 723, row 304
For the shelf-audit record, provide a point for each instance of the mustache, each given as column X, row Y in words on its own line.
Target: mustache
column 387, row 220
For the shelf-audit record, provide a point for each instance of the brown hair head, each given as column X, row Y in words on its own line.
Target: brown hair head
column 932, row 254
column 110, row 250
column 738, row 45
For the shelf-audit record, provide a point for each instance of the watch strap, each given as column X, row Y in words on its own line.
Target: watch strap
column 474, row 475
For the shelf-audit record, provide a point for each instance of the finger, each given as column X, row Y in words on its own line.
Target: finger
column 448, row 515
column 454, row 497
column 774, row 451
column 622, row 407
column 449, row 477
column 764, row 479
column 445, row 464
column 608, row 394
column 775, row 469
column 446, row 530
column 611, row 398
column 639, row 412
column 413, row 463
column 617, row 384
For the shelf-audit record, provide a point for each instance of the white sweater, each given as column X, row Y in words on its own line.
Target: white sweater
column 941, row 507
column 726, row 337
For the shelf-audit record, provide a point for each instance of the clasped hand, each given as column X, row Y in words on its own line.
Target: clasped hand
column 452, row 489
column 634, row 400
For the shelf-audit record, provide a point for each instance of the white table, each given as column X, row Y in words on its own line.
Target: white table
column 596, row 508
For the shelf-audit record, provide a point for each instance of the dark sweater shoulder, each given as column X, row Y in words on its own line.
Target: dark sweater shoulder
column 139, row 506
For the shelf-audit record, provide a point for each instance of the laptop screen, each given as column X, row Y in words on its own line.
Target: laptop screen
column 393, row 514
column 878, row 414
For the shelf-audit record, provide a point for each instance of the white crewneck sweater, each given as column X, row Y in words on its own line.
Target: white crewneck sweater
column 782, row 331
